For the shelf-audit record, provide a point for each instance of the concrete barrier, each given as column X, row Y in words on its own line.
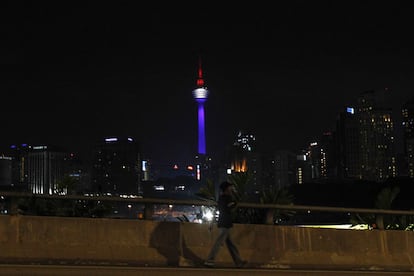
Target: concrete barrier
column 54, row 240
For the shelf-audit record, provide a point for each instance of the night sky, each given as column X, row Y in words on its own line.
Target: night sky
column 75, row 72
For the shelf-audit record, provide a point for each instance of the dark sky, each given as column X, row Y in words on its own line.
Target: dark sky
column 74, row 72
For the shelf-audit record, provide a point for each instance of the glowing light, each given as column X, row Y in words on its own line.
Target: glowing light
column 200, row 93
column 111, row 139
column 208, row 215
column 198, row 172
column 201, row 130
column 240, row 165
column 350, row 110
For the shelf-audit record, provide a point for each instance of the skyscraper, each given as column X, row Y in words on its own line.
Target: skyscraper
column 46, row 168
column 376, row 136
column 408, row 135
column 348, row 145
column 200, row 94
column 116, row 164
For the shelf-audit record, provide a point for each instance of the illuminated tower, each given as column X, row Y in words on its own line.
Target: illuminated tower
column 200, row 94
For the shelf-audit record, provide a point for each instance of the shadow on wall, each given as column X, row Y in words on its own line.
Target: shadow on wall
column 166, row 238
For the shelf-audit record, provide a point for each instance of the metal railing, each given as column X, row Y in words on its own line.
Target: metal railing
column 12, row 199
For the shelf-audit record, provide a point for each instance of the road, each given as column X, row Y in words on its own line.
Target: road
column 63, row 270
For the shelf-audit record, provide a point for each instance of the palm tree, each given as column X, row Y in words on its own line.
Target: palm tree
column 241, row 180
column 208, row 191
column 276, row 196
column 67, row 185
column 384, row 201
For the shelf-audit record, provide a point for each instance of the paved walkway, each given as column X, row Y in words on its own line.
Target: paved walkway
column 63, row 270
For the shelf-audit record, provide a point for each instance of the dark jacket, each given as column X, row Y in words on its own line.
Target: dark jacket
column 225, row 204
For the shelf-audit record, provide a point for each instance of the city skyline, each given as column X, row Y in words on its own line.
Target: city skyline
column 78, row 74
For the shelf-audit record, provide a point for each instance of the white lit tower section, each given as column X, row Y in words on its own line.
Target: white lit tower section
column 200, row 94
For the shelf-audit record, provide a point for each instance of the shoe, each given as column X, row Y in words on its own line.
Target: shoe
column 242, row 264
column 209, row 263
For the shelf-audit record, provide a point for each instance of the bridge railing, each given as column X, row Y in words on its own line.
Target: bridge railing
column 145, row 208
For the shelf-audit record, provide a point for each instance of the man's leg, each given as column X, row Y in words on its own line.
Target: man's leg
column 223, row 234
column 234, row 252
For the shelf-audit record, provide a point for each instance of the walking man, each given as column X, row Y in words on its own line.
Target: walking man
column 226, row 204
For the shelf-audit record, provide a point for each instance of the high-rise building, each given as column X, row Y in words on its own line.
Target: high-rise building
column 408, row 135
column 347, row 151
column 321, row 157
column 243, row 157
column 45, row 169
column 19, row 154
column 376, row 137
column 303, row 167
column 285, row 168
column 116, row 167
column 5, row 171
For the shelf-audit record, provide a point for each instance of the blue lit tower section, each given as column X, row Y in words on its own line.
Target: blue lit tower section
column 200, row 94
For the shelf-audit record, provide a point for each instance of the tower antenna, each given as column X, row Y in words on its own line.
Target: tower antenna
column 200, row 81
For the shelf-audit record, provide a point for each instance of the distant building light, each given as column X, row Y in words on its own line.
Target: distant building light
column 130, row 139
column 228, row 171
column 301, row 157
column 13, row 146
column 5, row 158
column 111, row 139
column 313, row 144
column 24, row 145
column 159, row 188
column 40, row 147
column 180, row 187
column 350, row 110
column 144, row 165
column 198, row 172
column 190, row 168
column 175, row 167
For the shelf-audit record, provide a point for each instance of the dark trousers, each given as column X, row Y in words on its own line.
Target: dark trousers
column 224, row 236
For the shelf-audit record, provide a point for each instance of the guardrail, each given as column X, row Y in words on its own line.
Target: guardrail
column 12, row 198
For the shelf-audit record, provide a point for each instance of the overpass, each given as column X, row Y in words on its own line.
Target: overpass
column 41, row 240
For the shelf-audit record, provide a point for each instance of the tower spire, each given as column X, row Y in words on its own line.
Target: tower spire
column 200, row 80
column 200, row 94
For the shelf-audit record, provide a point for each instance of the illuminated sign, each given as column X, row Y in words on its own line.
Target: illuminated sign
column 350, row 110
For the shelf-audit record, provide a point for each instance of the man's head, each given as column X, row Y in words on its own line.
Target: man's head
column 226, row 186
